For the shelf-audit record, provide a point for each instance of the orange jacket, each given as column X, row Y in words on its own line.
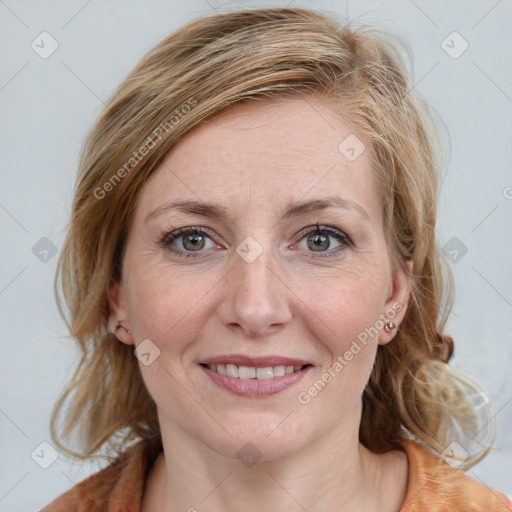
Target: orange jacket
column 433, row 486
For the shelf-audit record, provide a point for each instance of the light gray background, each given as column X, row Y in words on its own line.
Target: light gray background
column 49, row 104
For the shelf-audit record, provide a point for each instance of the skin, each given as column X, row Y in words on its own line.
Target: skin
column 255, row 160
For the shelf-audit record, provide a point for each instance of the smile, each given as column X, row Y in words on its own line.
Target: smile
column 254, row 372
column 254, row 376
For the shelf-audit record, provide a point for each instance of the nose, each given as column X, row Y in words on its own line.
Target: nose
column 255, row 300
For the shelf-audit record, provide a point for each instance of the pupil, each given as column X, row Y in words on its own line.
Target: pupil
column 318, row 241
column 194, row 242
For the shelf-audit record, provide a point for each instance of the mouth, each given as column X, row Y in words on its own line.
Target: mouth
column 259, row 376
column 254, row 372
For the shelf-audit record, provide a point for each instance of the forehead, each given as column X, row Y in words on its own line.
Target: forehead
column 264, row 153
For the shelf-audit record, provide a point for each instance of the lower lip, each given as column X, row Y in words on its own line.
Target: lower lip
column 255, row 387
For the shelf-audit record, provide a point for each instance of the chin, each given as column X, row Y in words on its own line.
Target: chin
column 259, row 438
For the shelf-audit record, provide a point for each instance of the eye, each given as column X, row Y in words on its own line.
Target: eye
column 187, row 240
column 323, row 239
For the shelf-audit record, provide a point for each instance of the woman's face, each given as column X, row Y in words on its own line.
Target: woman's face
column 222, row 312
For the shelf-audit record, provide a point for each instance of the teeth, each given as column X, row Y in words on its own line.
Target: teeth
column 246, row 372
column 232, row 370
column 250, row 372
column 265, row 373
column 279, row 371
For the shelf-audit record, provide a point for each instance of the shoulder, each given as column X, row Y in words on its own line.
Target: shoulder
column 434, row 486
column 121, row 483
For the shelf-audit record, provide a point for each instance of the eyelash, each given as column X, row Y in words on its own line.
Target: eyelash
column 167, row 240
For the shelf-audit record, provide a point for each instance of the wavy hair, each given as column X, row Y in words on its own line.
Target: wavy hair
column 211, row 64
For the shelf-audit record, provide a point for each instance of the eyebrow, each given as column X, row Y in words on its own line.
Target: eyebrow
column 219, row 212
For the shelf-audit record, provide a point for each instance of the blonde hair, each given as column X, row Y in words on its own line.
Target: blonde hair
column 212, row 64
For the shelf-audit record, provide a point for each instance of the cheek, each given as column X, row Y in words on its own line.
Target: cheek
column 346, row 321
column 345, row 306
column 164, row 303
column 167, row 307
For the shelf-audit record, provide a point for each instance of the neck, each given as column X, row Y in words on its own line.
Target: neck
column 335, row 472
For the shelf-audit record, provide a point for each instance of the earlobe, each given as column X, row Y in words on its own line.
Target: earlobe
column 396, row 305
column 119, row 320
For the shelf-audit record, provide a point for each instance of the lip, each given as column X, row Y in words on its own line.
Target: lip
column 255, row 387
column 257, row 361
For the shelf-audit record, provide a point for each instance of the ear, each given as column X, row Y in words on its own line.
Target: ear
column 119, row 313
column 397, row 302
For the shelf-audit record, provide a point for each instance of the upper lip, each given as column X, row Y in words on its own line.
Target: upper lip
column 259, row 361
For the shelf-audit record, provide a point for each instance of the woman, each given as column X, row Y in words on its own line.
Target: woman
column 254, row 281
